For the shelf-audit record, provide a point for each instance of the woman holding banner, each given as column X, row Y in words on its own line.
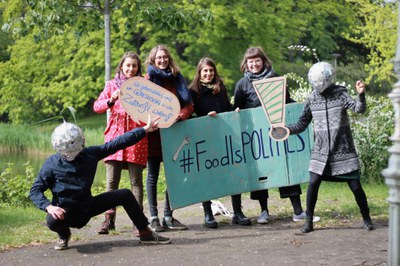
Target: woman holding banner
column 256, row 66
column 163, row 71
column 210, row 97
column 133, row 158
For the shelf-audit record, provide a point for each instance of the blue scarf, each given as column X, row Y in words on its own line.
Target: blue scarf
column 157, row 75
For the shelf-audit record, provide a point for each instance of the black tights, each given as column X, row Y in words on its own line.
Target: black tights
column 354, row 185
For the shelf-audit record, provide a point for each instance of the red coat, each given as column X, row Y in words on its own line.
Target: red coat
column 119, row 123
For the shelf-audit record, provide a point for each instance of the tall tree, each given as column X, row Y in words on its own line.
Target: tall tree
column 46, row 20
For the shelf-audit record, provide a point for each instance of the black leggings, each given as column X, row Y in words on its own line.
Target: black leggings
column 99, row 204
column 354, row 185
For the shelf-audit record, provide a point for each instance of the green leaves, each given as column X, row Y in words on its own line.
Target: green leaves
column 52, row 53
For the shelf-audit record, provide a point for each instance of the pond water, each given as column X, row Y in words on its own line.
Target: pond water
column 18, row 159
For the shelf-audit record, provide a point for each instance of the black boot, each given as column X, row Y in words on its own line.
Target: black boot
column 241, row 219
column 308, row 225
column 368, row 224
column 238, row 216
column 209, row 219
column 367, row 220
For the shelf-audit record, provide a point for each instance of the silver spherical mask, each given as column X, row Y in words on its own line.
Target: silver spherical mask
column 321, row 75
column 68, row 140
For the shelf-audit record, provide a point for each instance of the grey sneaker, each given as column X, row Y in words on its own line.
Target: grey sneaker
column 62, row 243
column 154, row 239
column 155, row 225
column 173, row 224
column 264, row 218
column 302, row 217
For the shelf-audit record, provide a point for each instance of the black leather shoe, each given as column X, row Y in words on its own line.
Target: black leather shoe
column 241, row 219
column 368, row 224
column 210, row 221
column 308, row 225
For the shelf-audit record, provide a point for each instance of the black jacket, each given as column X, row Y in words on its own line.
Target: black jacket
column 70, row 182
column 208, row 102
column 246, row 97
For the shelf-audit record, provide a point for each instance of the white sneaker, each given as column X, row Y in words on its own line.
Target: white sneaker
column 302, row 217
column 264, row 218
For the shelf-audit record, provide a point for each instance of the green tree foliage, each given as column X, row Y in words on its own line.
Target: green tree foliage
column 377, row 31
column 236, row 25
column 5, row 41
column 57, row 58
column 42, row 78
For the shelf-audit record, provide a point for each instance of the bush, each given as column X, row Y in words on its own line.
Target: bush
column 14, row 190
column 372, row 137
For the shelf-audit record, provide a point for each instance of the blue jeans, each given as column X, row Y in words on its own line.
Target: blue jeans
column 153, row 171
column 77, row 218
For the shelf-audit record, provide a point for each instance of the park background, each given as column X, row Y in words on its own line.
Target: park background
column 53, row 56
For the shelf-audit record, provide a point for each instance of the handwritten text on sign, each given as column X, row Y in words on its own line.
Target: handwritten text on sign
column 206, row 158
column 141, row 97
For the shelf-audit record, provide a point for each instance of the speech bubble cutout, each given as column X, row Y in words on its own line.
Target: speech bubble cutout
column 140, row 97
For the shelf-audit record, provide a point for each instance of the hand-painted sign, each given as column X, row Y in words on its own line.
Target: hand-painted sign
column 207, row 158
column 141, row 97
column 272, row 95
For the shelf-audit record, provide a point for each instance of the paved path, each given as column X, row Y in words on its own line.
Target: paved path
column 278, row 243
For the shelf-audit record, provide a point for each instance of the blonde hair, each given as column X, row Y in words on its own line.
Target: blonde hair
column 152, row 58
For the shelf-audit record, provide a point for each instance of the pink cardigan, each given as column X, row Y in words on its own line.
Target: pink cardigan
column 119, row 123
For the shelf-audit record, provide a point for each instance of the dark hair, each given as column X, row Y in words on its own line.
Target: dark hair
column 133, row 56
column 195, row 85
column 253, row 52
column 152, row 58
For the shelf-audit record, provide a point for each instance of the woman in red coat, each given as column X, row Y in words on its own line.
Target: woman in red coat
column 133, row 158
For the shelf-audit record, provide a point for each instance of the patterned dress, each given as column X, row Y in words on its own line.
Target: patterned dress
column 334, row 147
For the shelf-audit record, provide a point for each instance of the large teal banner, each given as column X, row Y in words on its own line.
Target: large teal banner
column 207, row 158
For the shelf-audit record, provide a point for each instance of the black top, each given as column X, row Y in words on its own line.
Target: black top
column 246, row 97
column 208, row 101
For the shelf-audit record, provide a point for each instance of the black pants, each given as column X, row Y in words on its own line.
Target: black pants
column 284, row 192
column 262, row 196
column 100, row 204
column 354, row 185
column 153, row 171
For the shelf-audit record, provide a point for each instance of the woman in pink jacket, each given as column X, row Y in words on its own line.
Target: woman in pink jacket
column 133, row 158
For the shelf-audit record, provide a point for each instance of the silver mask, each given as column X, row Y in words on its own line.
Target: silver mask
column 68, row 140
column 321, row 76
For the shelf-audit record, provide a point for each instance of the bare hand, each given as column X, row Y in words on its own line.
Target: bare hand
column 360, row 86
column 152, row 125
column 58, row 213
column 237, row 109
column 115, row 96
column 212, row 113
